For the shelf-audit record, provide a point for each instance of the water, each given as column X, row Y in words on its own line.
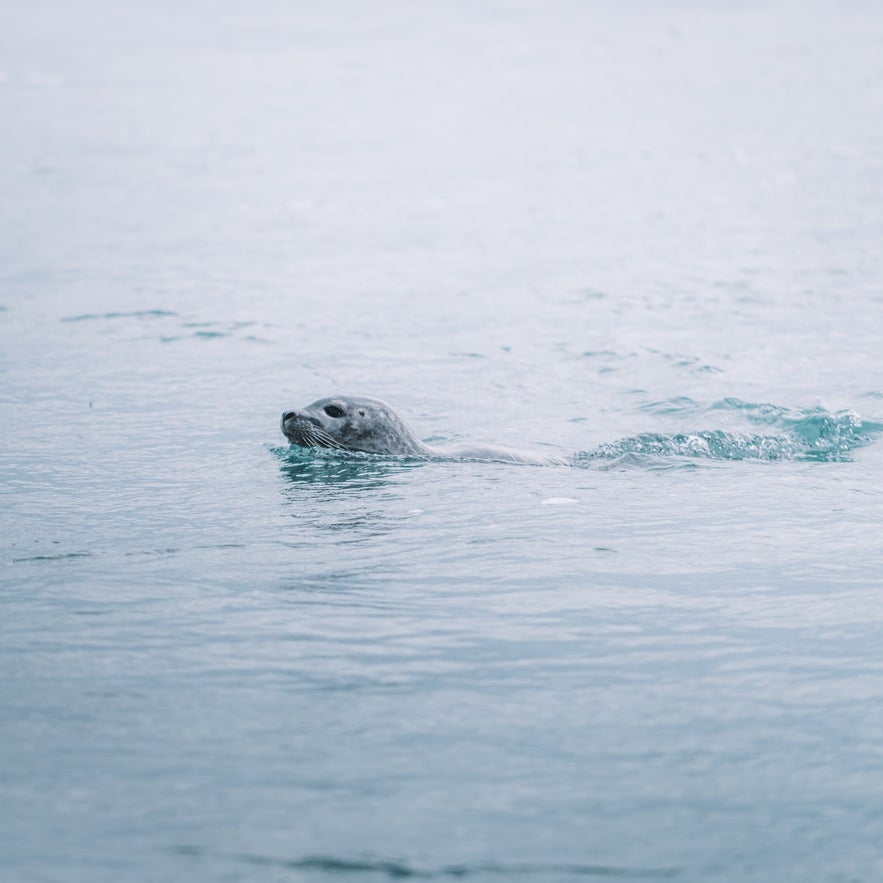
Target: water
column 647, row 234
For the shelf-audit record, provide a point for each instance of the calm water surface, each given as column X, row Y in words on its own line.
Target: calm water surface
column 567, row 227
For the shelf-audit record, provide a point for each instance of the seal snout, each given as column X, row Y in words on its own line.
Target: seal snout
column 301, row 428
column 299, row 417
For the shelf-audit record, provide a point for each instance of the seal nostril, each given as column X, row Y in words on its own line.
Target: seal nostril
column 287, row 415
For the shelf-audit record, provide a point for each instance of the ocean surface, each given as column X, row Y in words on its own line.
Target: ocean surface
column 645, row 237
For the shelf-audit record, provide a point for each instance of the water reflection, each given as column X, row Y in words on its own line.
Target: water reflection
column 352, row 497
column 342, row 469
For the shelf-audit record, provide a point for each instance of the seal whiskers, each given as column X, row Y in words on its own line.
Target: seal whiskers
column 322, row 439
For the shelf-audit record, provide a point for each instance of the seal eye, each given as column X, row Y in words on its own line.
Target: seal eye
column 333, row 411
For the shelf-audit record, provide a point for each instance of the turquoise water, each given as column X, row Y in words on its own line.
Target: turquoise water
column 642, row 236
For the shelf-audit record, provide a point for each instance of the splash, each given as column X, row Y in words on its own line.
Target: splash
column 810, row 435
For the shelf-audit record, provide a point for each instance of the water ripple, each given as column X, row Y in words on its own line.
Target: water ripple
column 133, row 314
column 400, row 870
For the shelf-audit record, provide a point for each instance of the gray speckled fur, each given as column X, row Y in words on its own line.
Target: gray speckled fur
column 373, row 427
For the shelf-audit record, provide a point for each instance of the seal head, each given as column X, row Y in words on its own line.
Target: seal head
column 371, row 426
column 352, row 423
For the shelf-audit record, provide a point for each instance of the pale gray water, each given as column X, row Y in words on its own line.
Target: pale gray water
column 567, row 227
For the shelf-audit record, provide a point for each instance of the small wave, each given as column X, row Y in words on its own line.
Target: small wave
column 762, row 413
column 814, row 435
column 676, row 405
column 62, row 556
column 134, row 314
column 811, row 424
column 401, row 870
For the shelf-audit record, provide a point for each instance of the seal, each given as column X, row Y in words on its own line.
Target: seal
column 371, row 426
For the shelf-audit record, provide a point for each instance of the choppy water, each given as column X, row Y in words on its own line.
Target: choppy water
column 645, row 235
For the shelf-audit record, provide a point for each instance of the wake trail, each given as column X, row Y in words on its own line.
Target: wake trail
column 813, row 434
